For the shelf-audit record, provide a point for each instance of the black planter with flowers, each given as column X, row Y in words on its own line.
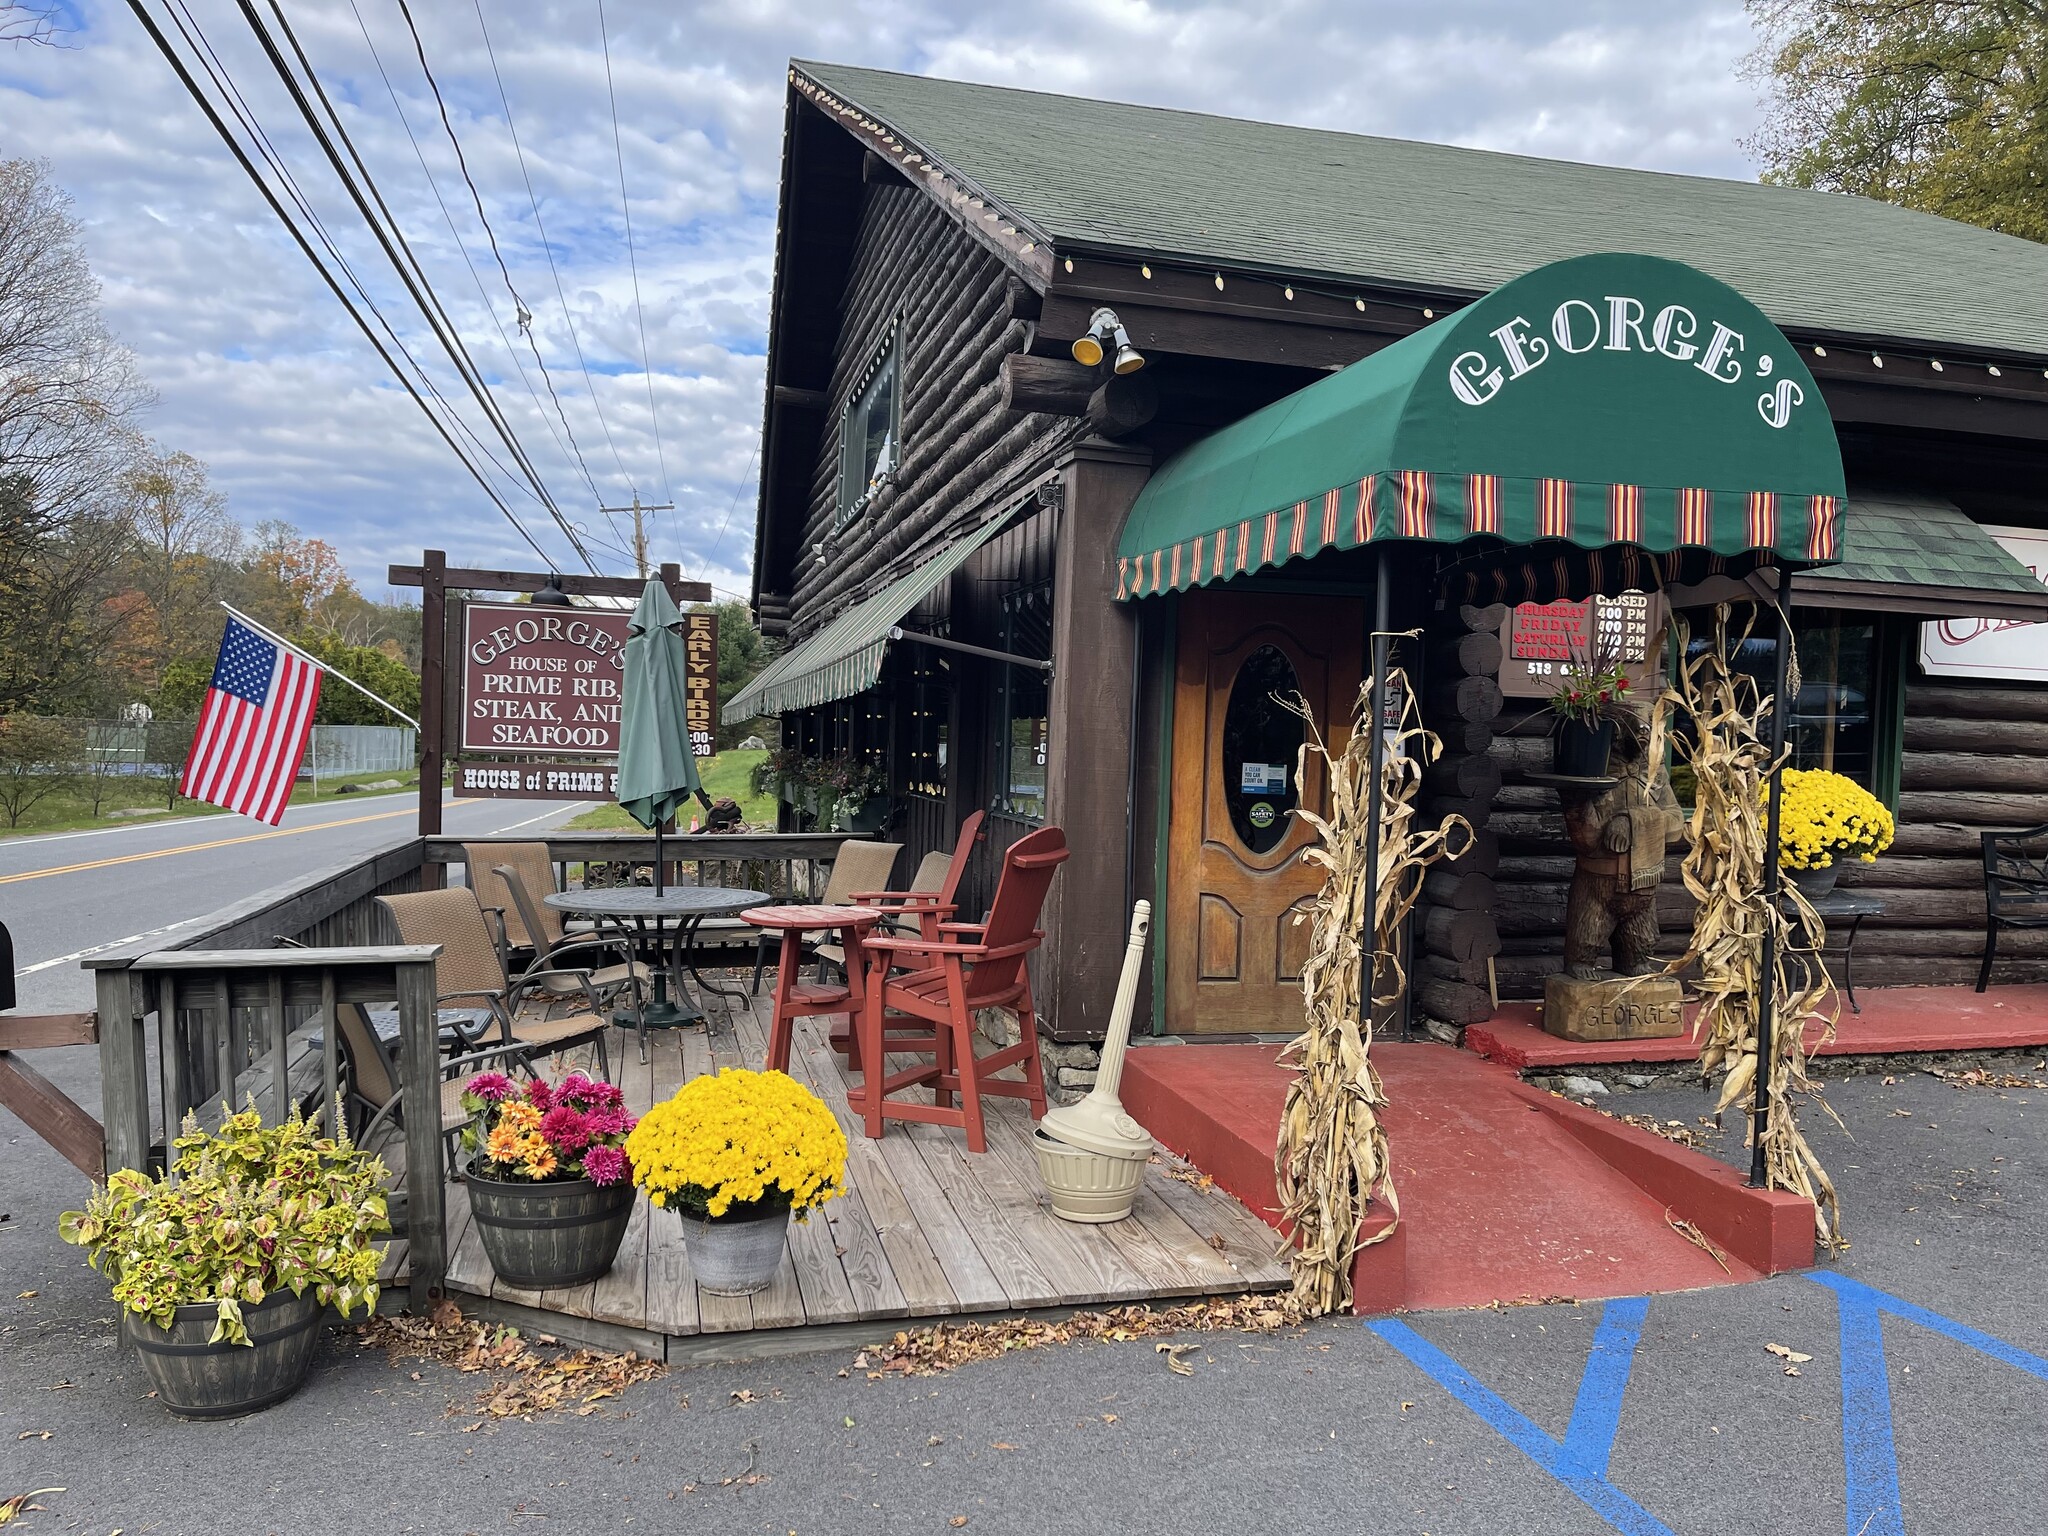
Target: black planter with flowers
column 1590, row 701
column 550, row 1189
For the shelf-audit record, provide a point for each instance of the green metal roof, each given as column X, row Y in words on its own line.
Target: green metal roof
column 1434, row 218
column 1602, row 401
column 845, row 657
column 1920, row 554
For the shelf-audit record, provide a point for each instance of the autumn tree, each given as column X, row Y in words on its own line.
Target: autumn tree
column 1940, row 105
column 68, row 399
column 185, row 540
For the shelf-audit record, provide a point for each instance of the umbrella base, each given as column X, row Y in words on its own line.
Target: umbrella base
column 658, row 1016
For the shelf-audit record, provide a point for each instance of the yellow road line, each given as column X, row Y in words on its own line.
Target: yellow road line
column 225, row 842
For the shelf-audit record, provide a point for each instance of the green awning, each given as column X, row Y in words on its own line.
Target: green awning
column 845, row 657
column 1904, row 553
column 1620, row 404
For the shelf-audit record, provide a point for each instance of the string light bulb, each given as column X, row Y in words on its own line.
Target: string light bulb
column 1994, row 371
column 1935, row 363
column 1876, row 361
column 1289, row 291
column 1146, row 271
column 1219, row 282
column 1429, row 314
column 1820, row 351
column 1359, row 305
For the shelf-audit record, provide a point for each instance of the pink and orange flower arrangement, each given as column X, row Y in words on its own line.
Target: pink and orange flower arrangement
column 574, row 1129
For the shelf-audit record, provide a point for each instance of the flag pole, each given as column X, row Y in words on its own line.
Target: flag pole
column 326, row 667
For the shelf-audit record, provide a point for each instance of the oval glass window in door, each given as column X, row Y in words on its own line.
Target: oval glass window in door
column 1261, row 741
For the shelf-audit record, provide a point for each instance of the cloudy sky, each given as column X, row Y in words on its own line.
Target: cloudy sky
column 262, row 374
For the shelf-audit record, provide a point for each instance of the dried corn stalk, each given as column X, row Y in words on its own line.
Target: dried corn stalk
column 1724, row 872
column 1332, row 1157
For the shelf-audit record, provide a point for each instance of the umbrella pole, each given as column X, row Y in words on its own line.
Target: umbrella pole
column 660, row 888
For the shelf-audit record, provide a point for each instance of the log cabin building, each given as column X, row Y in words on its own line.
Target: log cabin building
column 1065, row 593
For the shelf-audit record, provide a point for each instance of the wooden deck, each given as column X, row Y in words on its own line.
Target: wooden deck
column 924, row 1230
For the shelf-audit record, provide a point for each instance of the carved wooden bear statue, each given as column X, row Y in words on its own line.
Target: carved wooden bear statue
column 1620, row 836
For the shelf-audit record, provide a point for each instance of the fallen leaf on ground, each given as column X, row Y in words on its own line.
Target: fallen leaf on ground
column 1785, row 1352
column 33, row 1434
column 524, row 1380
column 26, row 1295
column 957, row 1521
column 946, row 1346
column 1173, row 1353
column 14, row 1508
column 1004, row 1445
column 744, row 1396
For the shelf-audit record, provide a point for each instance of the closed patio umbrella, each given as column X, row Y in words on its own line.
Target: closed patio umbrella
column 657, row 770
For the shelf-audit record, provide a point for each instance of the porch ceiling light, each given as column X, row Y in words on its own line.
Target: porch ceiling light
column 1103, row 328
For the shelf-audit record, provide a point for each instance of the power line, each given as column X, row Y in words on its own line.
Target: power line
column 738, row 491
column 227, row 136
column 632, row 261
column 196, row 39
column 391, row 238
column 522, row 314
column 533, row 201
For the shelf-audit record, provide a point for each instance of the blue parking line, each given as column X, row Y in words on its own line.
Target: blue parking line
column 1870, row 1456
column 1578, row 1462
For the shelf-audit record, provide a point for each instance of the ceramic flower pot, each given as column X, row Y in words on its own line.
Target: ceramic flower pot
column 1815, row 882
column 196, row 1379
column 545, row 1234
column 735, row 1256
column 1580, row 751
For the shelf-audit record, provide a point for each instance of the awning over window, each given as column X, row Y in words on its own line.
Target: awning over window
column 1921, row 555
column 845, row 657
column 1590, row 414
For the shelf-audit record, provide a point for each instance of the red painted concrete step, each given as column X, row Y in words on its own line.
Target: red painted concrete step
column 1506, row 1193
column 1894, row 1020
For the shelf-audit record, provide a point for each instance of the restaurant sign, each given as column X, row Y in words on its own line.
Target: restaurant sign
column 536, row 781
column 2011, row 650
column 547, row 680
column 541, row 679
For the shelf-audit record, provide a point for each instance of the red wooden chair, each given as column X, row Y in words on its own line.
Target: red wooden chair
column 929, row 901
column 944, row 981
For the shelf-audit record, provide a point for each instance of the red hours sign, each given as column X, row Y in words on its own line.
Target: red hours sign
column 541, row 680
column 1542, row 639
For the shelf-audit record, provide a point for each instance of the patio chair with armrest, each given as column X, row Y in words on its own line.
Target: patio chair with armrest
column 859, row 865
column 471, row 966
column 606, row 982
column 943, row 984
column 932, row 896
column 376, row 1093
column 2015, row 888
column 537, row 868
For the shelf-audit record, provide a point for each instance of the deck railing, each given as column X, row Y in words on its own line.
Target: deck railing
column 229, row 1010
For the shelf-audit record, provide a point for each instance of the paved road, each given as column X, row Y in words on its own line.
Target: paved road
column 70, row 894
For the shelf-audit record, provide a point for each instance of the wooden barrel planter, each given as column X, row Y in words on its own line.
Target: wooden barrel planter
column 544, row 1235
column 198, row 1380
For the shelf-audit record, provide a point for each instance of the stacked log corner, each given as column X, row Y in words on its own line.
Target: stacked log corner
column 1461, row 702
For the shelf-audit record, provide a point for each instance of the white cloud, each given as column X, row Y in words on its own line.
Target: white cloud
column 262, row 374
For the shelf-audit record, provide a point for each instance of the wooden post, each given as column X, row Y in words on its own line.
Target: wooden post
column 425, row 1178
column 124, row 1069
column 1087, row 772
column 330, row 1053
column 433, row 724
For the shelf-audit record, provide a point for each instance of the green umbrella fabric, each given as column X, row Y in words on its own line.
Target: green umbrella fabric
column 657, row 771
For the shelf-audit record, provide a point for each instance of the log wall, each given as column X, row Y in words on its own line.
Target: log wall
column 1973, row 762
column 962, row 452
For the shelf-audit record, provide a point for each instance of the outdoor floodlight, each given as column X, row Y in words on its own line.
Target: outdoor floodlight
column 1103, row 326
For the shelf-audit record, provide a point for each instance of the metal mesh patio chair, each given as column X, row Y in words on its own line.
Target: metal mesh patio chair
column 626, row 975
column 472, row 966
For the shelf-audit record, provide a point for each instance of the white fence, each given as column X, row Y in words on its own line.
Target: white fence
column 342, row 751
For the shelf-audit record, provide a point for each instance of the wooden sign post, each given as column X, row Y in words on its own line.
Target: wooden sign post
column 443, row 659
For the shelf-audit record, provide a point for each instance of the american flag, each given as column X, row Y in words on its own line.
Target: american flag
column 252, row 731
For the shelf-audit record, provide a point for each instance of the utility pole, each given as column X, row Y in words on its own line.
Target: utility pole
column 639, row 527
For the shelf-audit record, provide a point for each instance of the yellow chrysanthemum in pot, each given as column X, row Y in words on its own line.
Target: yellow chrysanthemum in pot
column 735, row 1155
column 1826, row 819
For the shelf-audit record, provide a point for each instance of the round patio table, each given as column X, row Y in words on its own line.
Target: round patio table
column 667, row 922
column 793, row 998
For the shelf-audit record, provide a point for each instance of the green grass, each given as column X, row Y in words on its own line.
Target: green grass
column 68, row 809
column 730, row 774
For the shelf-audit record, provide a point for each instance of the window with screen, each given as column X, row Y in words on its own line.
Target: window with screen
column 871, row 431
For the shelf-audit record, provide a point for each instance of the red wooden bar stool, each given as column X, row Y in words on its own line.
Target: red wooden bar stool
column 796, row 999
column 943, row 984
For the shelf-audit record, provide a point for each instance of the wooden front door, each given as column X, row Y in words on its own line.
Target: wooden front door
column 1234, row 877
